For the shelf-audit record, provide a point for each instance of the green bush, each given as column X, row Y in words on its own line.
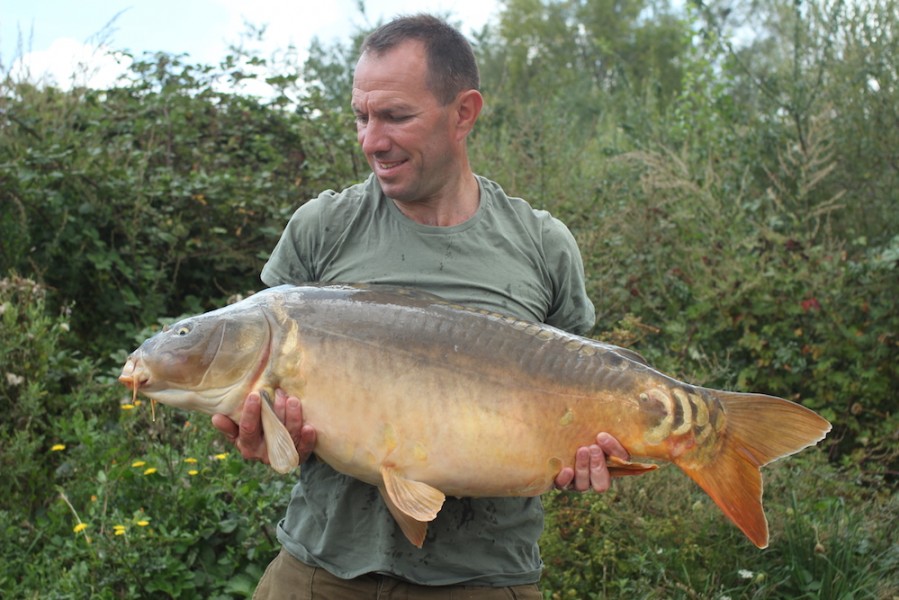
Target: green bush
column 38, row 378
column 162, row 195
column 166, row 510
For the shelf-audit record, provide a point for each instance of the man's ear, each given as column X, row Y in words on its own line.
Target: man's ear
column 468, row 107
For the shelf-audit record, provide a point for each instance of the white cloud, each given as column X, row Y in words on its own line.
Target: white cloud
column 215, row 24
column 69, row 63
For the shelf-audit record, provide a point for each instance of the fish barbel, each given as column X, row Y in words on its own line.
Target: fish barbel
column 410, row 393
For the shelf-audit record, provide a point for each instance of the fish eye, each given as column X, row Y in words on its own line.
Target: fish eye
column 182, row 331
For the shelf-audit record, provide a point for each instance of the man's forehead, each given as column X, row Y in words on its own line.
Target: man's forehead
column 380, row 100
column 386, row 91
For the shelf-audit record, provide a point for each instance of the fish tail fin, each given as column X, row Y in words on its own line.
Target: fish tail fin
column 758, row 430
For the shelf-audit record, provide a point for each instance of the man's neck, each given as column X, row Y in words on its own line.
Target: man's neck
column 452, row 207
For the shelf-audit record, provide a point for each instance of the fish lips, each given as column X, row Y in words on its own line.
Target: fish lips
column 133, row 376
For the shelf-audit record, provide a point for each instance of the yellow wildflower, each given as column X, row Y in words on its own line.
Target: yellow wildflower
column 221, row 456
column 79, row 527
column 142, row 523
column 192, row 472
column 57, row 447
column 127, row 407
column 192, row 461
column 138, row 463
column 150, row 471
column 118, row 529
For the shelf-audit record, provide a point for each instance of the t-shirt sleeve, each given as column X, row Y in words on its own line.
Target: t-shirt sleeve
column 292, row 260
column 571, row 308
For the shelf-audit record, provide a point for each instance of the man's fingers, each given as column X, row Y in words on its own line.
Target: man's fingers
column 611, row 446
column 582, row 469
column 307, row 442
column 303, row 436
column 228, row 427
column 599, row 474
column 251, row 418
column 564, row 478
column 280, row 405
column 293, row 418
column 249, row 438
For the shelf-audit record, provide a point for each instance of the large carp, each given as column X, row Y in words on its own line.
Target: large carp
column 423, row 398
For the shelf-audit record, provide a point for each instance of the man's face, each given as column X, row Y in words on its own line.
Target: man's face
column 406, row 134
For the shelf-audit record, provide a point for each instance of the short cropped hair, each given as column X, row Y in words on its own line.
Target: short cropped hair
column 452, row 67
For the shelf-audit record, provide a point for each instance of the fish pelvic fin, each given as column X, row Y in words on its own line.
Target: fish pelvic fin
column 282, row 452
column 759, row 429
column 413, row 504
column 618, row 467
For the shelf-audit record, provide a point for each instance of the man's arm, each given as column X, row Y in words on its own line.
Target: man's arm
column 573, row 311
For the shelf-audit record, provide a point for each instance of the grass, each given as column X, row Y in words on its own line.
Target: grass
column 658, row 536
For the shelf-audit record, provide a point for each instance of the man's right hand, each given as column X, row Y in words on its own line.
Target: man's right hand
column 248, row 436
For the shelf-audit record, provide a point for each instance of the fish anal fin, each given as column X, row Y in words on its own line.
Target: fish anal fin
column 412, row 503
column 282, row 452
column 415, row 531
column 758, row 430
column 619, row 467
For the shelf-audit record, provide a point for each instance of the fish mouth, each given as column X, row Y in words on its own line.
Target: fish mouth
column 132, row 376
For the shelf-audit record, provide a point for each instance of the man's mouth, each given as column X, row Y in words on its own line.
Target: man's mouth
column 389, row 165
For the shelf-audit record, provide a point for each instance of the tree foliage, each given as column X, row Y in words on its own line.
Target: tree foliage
column 152, row 198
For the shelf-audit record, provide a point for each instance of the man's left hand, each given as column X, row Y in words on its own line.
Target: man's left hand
column 590, row 468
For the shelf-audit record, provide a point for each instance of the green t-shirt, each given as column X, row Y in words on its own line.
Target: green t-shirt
column 508, row 258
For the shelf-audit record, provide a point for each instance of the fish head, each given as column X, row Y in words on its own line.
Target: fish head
column 206, row 363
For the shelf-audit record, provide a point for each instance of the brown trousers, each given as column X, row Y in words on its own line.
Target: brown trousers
column 286, row 578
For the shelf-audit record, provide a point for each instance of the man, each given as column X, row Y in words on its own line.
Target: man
column 422, row 219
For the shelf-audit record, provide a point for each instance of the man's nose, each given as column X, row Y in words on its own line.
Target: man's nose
column 373, row 137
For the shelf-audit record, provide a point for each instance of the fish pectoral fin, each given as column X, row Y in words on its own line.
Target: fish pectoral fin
column 412, row 503
column 618, row 467
column 282, row 452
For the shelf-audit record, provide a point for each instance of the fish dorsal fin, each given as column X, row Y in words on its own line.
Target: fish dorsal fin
column 282, row 452
column 623, row 352
column 631, row 354
column 412, row 503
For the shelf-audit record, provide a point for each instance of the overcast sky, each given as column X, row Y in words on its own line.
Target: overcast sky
column 58, row 34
